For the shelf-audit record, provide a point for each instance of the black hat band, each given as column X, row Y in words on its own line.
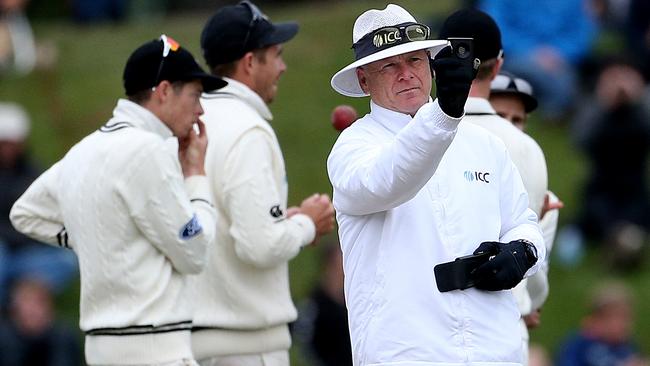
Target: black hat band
column 387, row 37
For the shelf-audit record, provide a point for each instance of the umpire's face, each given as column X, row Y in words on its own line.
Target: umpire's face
column 400, row 83
column 183, row 107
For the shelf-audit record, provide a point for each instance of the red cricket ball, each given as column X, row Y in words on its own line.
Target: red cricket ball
column 343, row 116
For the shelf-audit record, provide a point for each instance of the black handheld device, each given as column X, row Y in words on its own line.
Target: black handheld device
column 463, row 49
column 458, row 274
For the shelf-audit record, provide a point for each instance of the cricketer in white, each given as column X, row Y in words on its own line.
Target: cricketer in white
column 131, row 257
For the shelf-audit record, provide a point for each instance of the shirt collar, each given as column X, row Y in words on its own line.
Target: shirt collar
column 391, row 120
column 476, row 105
column 140, row 117
column 243, row 92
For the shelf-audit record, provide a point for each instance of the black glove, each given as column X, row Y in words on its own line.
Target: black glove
column 453, row 79
column 507, row 268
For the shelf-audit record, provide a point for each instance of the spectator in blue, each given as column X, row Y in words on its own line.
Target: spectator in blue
column 545, row 42
column 605, row 335
column 92, row 11
column 20, row 255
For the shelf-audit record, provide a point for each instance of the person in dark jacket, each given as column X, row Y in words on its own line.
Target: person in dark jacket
column 20, row 255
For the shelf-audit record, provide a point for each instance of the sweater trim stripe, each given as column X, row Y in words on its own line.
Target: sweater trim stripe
column 62, row 238
column 142, row 329
column 114, row 127
column 480, row 114
column 200, row 328
column 202, row 200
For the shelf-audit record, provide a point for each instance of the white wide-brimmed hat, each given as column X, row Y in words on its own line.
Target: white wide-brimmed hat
column 371, row 49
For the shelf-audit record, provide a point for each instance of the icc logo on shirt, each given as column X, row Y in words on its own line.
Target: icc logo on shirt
column 478, row 176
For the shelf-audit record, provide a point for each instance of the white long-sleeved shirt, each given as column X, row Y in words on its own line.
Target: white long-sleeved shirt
column 411, row 193
column 119, row 200
column 242, row 300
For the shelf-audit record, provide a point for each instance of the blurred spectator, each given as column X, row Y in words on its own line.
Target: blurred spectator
column 322, row 325
column 545, row 42
column 638, row 33
column 17, row 46
column 605, row 335
column 19, row 52
column 624, row 29
column 91, row 11
column 20, row 255
column 30, row 336
column 611, row 14
column 613, row 130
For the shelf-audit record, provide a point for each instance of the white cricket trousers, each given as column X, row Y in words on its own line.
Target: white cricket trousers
column 184, row 362
column 276, row 358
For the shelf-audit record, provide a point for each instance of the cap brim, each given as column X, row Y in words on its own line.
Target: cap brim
column 208, row 81
column 530, row 103
column 345, row 81
column 282, row 32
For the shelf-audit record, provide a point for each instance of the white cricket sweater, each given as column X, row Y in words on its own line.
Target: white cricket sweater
column 529, row 159
column 242, row 300
column 118, row 200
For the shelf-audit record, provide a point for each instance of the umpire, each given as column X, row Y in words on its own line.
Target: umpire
column 138, row 220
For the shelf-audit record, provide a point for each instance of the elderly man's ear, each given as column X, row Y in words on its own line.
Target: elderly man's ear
column 363, row 82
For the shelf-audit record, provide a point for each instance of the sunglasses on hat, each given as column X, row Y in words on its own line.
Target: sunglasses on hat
column 256, row 15
column 169, row 44
column 390, row 35
column 385, row 37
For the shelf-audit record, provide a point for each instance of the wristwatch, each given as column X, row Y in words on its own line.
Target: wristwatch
column 531, row 252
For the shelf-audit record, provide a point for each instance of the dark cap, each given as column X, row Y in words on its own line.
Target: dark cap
column 147, row 67
column 236, row 29
column 475, row 24
column 509, row 84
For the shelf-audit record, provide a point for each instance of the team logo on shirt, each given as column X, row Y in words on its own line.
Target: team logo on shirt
column 191, row 229
column 477, row 176
column 276, row 211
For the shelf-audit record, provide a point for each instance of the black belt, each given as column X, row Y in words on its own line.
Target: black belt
column 458, row 274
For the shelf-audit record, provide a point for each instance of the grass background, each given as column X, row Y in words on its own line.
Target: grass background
column 77, row 95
